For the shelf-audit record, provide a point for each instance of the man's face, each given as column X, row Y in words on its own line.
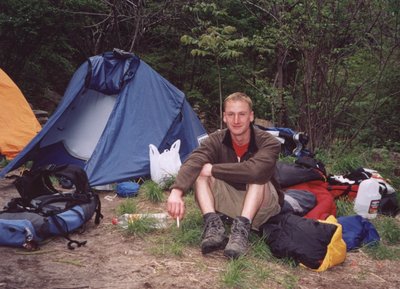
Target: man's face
column 238, row 116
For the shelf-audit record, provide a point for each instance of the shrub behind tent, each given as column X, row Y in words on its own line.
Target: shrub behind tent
column 113, row 108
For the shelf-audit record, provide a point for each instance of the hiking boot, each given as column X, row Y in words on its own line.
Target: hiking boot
column 213, row 237
column 239, row 240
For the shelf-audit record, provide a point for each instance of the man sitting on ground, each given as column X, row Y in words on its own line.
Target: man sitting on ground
column 232, row 172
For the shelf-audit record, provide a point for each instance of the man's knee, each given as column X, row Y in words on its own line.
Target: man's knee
column 201, row 180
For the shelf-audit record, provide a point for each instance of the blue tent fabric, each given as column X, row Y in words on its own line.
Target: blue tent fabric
column 358, row 231
column 136, row 107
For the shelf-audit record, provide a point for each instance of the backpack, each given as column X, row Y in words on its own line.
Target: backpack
column 304, row 169
column 43, row 211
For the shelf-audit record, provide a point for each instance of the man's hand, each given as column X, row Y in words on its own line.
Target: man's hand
column 175, row 204
column 206, row 170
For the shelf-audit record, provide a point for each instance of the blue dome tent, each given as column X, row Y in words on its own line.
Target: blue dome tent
column 114, row 107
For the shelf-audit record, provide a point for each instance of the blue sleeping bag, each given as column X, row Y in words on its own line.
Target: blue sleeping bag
column 358, row 232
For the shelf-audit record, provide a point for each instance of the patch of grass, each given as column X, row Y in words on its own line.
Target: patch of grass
column 165, row 246
column 128, row 206
column 287, row 159
column 174, row 240
column 167, row 183
column 235, row 275
column 141, row 226
column 340, row 162
column 254, row 269
column 152, row 191
column 382, row 252
column 388, row 229
column 190, row 229
column 289, row 281
column 289, row 262
column 380, row 160
column 250, row 272
column 346, row 162
column 344, row 207
column 259, row 248
column 261, row 274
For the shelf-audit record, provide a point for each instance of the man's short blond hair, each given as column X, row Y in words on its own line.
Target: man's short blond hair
column 239, row 96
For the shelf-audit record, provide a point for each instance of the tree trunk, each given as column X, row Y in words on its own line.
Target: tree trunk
column 220, row 93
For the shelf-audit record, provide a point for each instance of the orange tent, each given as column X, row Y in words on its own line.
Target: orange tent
column 18, row 124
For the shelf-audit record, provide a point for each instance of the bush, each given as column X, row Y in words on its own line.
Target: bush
column 152, row 191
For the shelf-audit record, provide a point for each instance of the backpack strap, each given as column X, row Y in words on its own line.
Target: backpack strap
column 34, row 183
column 71, row 200
column 72, row 244
column 99, row 215
column 74, row 173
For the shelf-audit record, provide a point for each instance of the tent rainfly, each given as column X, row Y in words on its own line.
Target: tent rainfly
column 114, row 107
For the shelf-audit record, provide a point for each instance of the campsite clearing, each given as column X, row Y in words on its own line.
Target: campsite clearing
column 111, row 259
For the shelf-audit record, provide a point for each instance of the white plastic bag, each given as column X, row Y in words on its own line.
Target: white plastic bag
column 165, row 165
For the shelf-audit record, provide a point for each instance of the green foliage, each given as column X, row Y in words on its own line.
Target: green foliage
column 43, row 55
column 235, row 275
column 152, row 191
column 344, row 207
column 211, row 39
column 382, row 252
column 289, row 281
column 3, row 161
column 330, row 69
column 141, row 226
column 128, row 206
column 191, row 228
column 339, row 160
column 259, row 249
column 253, row 270
column 174, row 240
column 164, row 247
column 389, row 229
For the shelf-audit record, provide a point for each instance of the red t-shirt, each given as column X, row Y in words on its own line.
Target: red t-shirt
column 240, row 150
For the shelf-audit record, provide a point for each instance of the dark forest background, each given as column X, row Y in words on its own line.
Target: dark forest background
column 327, row 68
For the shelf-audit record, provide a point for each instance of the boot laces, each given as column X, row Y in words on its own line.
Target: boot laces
column 240, row 234
column 212, row 228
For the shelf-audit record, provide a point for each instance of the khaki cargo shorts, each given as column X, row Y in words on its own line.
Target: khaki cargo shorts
column 230, row 201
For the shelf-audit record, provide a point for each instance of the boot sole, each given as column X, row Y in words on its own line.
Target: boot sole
column 209, row 249
column 232, row 254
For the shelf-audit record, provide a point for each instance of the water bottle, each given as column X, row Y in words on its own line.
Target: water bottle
column 123, row 220
column 368, row 199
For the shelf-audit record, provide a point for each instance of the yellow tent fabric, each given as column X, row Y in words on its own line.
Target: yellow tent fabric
column 18, row 124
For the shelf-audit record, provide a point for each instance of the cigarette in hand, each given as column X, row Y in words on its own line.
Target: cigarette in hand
column 177, row 222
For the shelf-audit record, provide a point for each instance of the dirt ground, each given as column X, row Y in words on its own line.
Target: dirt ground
column 111, row 259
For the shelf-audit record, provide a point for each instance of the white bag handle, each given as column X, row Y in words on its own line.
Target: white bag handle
column 176, row 145
column 153, row 150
